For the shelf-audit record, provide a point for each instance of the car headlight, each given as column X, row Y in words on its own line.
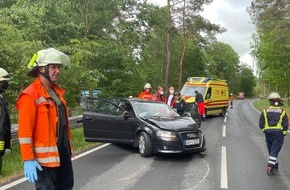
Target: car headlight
column 166, row 135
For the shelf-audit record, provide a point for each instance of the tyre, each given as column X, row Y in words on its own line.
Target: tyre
column 145, row 145
column 223, row 113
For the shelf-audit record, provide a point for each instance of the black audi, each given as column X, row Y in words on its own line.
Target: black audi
column 153, row 127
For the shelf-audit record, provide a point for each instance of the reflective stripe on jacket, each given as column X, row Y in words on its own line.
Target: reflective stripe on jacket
column 38, row 124
column 278, row 124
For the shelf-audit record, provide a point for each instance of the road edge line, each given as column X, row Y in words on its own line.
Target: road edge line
column 21, row 180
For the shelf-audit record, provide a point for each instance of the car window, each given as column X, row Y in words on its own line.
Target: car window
column 149, row 109
column 208, row 94
column 102, row 106
column 126, row 106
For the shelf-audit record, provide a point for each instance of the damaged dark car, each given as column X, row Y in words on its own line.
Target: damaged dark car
column 153, row 127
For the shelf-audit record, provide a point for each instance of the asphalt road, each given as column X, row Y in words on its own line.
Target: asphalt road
column 236, row 158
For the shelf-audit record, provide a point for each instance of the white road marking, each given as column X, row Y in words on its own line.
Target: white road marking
column 224, row 130
column 12, row 184
column 254, row 107
column 224, row 173
column 21, row 180
column 90, row 151
column 225, row 119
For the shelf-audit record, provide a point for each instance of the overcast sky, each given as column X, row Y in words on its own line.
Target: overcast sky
column 232, row 15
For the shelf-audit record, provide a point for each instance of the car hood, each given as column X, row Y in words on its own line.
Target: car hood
column 174, row 124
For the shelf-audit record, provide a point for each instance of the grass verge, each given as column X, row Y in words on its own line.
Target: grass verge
column 13, row 165
column 262, row 103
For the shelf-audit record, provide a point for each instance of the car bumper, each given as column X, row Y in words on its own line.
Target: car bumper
column 178, row 146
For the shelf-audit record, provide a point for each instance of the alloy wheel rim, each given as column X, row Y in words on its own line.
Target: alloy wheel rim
column 142, row 144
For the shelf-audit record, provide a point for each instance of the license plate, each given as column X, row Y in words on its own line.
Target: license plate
column 191, row 142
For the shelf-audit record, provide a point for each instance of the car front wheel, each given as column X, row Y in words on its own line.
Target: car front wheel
column 145, row 145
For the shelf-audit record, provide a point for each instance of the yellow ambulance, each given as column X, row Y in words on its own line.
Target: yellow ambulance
column 215, row 93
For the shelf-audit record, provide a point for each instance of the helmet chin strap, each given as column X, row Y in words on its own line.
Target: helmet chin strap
column 46, row 73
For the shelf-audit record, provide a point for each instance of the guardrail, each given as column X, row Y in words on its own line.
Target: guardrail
column 74, row 122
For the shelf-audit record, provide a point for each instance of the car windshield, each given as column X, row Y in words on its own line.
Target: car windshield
column 151, row 109
column 189, row 90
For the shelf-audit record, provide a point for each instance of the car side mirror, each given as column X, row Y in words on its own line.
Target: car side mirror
column 125, row 115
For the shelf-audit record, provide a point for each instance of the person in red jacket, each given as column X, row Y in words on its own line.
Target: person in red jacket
column 43, row 131
column 159, row 95
column 200, row 104
column 170, row 99
column 146, row 93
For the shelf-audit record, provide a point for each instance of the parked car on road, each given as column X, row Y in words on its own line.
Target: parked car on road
column 241, row 96
column 153, row 127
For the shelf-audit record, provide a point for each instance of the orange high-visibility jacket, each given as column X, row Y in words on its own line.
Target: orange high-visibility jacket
column 146, row 95
column 232, row 98
column 38, row 124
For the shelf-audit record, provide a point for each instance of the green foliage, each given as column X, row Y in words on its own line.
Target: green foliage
column 260, row 104
column 271, row 43
column 224, row 64
column 13, row 165
column 114, row 46
column 247, row 81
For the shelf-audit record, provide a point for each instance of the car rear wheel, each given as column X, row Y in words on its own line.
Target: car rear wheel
column 145, row 145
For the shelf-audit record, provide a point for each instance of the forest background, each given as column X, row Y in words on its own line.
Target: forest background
column 117, row 46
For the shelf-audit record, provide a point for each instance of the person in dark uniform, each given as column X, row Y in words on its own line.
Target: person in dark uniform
column 274, row 123
column 179, row 103
column 5, row 125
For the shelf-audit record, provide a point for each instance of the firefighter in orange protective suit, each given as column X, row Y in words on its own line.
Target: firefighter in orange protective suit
column 232, row 98
column 146, row 93
column 44, row 134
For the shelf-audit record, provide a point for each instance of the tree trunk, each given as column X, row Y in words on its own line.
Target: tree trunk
column 168, row 46
column 184, row 47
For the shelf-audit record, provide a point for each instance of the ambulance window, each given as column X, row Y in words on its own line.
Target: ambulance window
column 208, row 93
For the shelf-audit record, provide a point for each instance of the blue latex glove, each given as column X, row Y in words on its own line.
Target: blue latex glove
column 30, row 167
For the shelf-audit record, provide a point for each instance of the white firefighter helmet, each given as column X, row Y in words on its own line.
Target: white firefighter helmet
column 4, row 75
column 231, row 94
column 147, row 85
column 274, row 96
column 46, row 57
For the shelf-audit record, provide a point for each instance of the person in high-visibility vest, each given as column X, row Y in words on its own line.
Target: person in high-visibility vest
column 274, row 123
column 5, row 124
column 44, row 134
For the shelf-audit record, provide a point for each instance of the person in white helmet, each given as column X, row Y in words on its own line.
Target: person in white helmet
column 5, row 125
column 274, row 123
column 44, row 135
column 146, row 93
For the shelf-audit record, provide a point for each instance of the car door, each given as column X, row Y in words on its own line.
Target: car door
column 104, row 121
